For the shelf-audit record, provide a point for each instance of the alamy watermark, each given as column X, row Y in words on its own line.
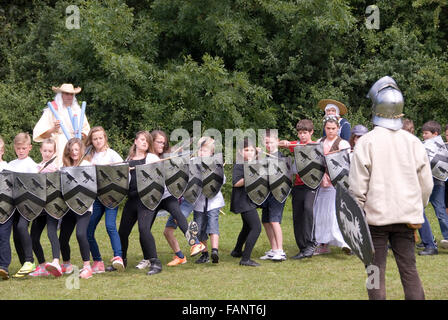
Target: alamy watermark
column 373, row 277
column 373, row 20
column 72, row 281
column 73, row 17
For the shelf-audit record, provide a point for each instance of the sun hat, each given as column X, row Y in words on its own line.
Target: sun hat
column 322, row 104
column 66, row 88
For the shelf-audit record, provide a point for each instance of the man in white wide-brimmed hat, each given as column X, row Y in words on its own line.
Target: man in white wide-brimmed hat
column 49, row 127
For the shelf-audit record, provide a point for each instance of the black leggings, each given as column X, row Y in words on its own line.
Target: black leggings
column 135, row 211
column 37, row 227
column 69, row 221
column 22, row 239
column 249, row 233
column 171, row 205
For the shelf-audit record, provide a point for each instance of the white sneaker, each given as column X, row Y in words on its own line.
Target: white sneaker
column 444, row 244
column 279, row 255
column 268, row 255
column 143, row 264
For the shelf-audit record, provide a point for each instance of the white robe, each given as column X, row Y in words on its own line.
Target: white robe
column 45, row 123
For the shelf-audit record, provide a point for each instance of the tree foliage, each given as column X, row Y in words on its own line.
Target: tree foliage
column 228, row 63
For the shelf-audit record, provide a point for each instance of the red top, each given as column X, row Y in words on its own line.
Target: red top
column 298, row 181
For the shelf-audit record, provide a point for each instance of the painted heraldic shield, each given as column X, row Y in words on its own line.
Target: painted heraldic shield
column 150, row 183
column 112, row 184
column 280, row 178
column 212, row 175
column 6, row 199
column 438, row 158
column 256, row 180
column 79, row 187
column 55, row 206
column 338, row 166
column 176, row 174
column 353, row 225
column 29, row 194
column 310, row 163
column 194, row 186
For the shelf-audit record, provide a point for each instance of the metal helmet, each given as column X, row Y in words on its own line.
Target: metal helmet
column 387, row 103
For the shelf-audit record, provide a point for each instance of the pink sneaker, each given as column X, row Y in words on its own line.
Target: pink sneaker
column 86, row 273
column 98, row 267
column 54, row 269
column 39, row 272
column 66, row 268
column 322, row 249
column 117, row 263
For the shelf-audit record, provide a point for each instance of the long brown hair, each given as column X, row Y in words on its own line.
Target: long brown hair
column 166, row 147
column 89, row 141
column 149, row 140
column 66, row 159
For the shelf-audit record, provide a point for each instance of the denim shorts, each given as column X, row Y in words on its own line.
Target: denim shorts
column 272, row 210
column 208, row 223
column 186, row 208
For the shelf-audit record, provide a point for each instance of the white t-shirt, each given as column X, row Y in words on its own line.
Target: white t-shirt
column 106, row 157
column 26, row 165
column 3, row 165
column 213, row 203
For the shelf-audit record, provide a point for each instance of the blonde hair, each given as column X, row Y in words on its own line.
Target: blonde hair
column 89, row 140
column 22, row 138
column 208, row 143
column 133, row 149
column 2, row 145
column 66, row 159
column 49, row 141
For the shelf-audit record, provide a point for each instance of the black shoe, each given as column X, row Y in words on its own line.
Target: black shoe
column 420, row 245
column 215, row 257
column 428, row 252
column 203, row 258
column 156, row 266
column 110, row 269
column 236, row 254
column 249, row 263
column 303, row 254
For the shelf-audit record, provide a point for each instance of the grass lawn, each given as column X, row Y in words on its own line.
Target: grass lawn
column 332, row 276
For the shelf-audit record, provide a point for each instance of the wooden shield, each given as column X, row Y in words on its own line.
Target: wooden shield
column 79, row 187
column 150, row 183
column 112, row 184
column 176, row 171
column 6, row 199
column 310, row 163
column 338, row 166
column 438, row 158
column 29, row 194
column 353, row 225
column 194, row 186
column 212, row 175
column 55, row 205
column 280, row 178
column 256, row 180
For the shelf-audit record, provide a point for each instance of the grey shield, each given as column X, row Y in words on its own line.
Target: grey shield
column 55, row 206
column 338, row 166
column 150, row 183
column 176, row 175
column 194, row 186
column 212, row 175
column 310, row 163
column 112, row 184
column 438, row 158
column 280, row 182
column 29, row 194
column 6, row 199
column 79, row 187
column 353, row 226
column 256, row 181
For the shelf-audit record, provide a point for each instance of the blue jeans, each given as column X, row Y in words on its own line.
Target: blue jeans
column 437, row 200
column 5, row 244
column 111, row 227
column 426, row 233
column 186, row 208
column 208, row 223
